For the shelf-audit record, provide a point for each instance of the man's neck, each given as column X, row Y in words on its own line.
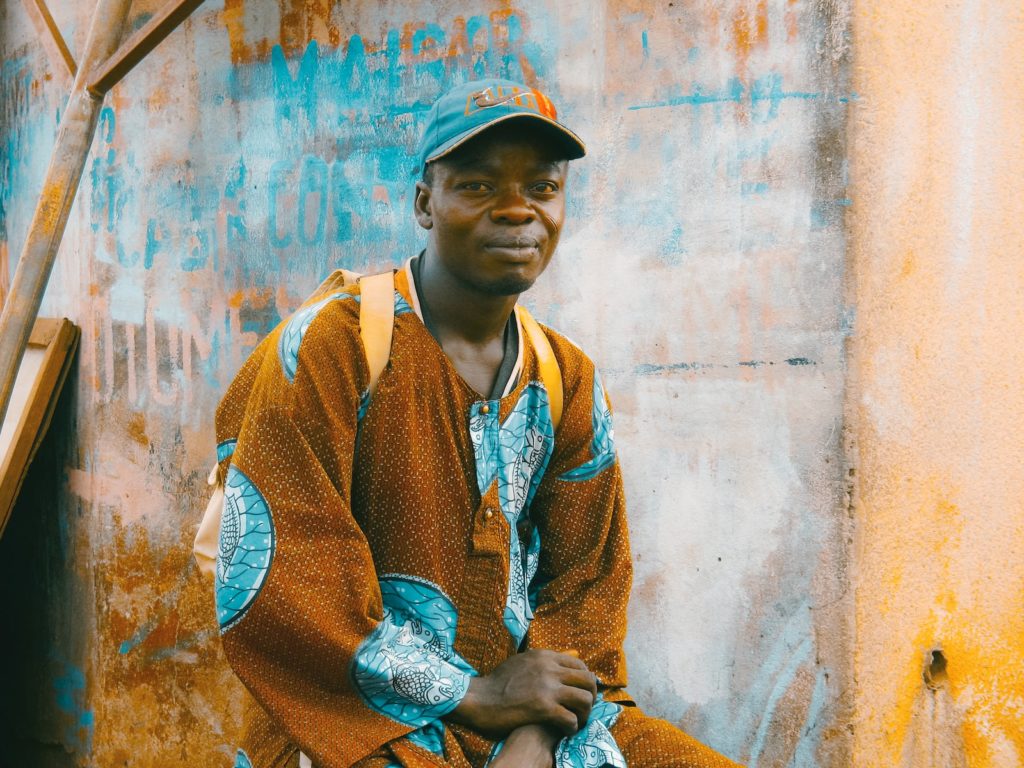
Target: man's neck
column 458, row 310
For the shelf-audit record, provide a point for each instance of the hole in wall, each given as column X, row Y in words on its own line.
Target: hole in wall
column 935, row 669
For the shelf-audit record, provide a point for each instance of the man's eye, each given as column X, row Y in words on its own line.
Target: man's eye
column 474, row 186
column 545, row 187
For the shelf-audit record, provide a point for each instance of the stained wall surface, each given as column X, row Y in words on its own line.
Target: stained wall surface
column 267, row 142
column 936, row 363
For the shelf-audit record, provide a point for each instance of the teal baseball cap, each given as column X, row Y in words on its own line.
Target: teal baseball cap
column 471, row 108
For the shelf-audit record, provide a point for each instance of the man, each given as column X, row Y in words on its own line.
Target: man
column 432, row 568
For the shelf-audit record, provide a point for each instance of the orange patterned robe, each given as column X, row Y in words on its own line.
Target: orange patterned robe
column 376, row 553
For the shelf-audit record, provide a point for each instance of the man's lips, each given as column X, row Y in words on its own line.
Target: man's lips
column 513, row 243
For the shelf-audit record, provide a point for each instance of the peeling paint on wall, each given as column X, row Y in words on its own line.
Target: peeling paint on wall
column 264, row 144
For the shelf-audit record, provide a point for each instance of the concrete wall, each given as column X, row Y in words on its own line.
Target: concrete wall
column 936, row 363
column 265, row 143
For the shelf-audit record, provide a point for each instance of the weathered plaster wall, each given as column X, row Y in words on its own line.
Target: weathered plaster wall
column 265, row 143
column 936, row 362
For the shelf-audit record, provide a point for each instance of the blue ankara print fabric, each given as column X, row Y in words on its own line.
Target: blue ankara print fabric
column 407, row 668
column 246, row 548
column 364, row 405
column 602, row 447
column 401, row 305
column 516, row 452
column 484, row 430
column 296, row 327
column 592, row 747
column 225, row 450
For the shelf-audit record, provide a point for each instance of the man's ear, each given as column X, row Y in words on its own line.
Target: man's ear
column 421, row 206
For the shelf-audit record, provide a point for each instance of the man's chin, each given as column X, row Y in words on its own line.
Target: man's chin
column 512, row 285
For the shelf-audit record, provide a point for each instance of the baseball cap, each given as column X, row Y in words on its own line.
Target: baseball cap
column 471, row 108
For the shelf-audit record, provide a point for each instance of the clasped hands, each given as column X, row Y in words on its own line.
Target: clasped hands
column 532, row 700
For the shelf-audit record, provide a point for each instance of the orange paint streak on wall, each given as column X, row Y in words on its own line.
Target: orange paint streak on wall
column 232, row 18
column 792, row 21
column 748, row 32
column 934, row 407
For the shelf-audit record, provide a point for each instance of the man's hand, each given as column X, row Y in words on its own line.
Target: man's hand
column 536, row 687
column 529, row 746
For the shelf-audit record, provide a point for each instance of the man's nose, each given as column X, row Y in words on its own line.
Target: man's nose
column 512, row 207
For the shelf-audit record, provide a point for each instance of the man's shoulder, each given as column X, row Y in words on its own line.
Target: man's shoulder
column 327, row 320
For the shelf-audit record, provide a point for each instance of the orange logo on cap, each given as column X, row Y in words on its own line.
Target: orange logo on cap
column 533, row 100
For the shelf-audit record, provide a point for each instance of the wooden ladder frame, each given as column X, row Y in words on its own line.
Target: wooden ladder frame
column 104, row 63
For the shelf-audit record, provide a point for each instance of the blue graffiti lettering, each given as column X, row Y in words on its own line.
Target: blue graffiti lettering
column 299, row 92
column 278, row 182
column 313, row 181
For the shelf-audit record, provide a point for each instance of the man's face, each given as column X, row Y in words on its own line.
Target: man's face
column 494, row 209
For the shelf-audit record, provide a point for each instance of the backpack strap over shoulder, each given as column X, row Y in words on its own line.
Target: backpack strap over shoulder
column 377, row 321
column 376, row 326
column 550, row 373
column 376, row 314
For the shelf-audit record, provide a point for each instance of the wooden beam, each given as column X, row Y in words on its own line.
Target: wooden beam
column 60, row 185
column 135, row 48
column 56, row 49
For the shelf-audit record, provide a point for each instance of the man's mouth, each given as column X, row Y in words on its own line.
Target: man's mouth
column 514, row 243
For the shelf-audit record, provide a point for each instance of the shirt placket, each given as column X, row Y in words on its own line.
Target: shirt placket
column 484, row 584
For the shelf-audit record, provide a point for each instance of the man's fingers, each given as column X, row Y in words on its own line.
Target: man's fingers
column 571, row 659
column 564, row 720
column 579, row 701
column 583, row 679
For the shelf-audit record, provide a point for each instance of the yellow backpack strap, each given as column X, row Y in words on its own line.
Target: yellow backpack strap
column 377, row 321
column 550, row 373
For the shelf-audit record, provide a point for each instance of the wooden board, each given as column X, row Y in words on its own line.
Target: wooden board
column 41, row 375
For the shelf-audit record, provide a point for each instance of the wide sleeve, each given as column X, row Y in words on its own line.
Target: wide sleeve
column 581, row 588
column 301, row 613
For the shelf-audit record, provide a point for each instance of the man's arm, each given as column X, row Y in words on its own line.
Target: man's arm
column 581, row 590
column 298, row 598
column 530, row 746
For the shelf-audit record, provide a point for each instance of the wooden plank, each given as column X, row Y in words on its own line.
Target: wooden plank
column 41, row 376
column 43, row 331
column 135, row 48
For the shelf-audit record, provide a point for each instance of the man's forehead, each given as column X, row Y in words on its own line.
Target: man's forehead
column 475, row 160
column 494, row 147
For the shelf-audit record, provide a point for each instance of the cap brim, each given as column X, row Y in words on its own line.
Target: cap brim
column 573, row 144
